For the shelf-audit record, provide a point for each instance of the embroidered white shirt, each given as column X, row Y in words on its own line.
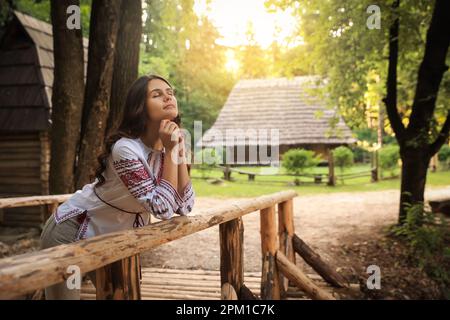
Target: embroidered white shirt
column 132, row 183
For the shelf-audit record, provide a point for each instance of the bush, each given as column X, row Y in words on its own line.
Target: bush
column 295, row 161
column 389, row 157
column 343, row 157
column 360, row 154
column 209, row 160
column 428, row 239
column 444, row 156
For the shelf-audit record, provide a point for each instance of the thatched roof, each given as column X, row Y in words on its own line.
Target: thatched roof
column 26, row 74
column 288, row 105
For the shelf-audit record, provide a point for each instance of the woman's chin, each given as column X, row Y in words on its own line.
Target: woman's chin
column 170, row 114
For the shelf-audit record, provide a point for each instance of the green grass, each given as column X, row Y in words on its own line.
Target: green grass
column 241, row 187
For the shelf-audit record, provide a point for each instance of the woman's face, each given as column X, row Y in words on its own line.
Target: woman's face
column 161, row 101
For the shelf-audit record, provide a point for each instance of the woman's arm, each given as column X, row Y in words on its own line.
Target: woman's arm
column 185, row 189
column 183, row 175
column 170, row 168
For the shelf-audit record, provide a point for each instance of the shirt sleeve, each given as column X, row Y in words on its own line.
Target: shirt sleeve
column 187, row 197
column 161, row 200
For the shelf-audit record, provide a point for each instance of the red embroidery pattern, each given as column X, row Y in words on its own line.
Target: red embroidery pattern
column 134, row 175
column 67, row 215
column 83, row 228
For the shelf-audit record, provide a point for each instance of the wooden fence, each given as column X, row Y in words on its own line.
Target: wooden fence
column 114, row 256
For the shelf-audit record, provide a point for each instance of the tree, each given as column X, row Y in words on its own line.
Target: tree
column 348, row 54
column 417, row 145
column 67, row 98
column 253, row 60
column 102, row 41
column 126, row 59
column 182, row 46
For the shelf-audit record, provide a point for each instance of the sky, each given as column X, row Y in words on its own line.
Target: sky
column 231, row 17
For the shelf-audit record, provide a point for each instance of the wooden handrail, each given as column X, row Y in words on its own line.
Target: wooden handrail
column 28, row 272
column 32, row 201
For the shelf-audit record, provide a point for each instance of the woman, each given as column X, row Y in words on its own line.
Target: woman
column 143, row 171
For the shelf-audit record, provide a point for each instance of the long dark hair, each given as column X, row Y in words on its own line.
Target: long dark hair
column 134, row 120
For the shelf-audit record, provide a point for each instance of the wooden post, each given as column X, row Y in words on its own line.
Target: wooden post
column 227, row 173
column 119, row 280
column 51, row 209
column 285, row 234
column 232, row 254
column 331, row 176
column 270, row 282
column 300, row 279
column 375, row 169
column 327, row 272
column 247, row 294
column 228, row 292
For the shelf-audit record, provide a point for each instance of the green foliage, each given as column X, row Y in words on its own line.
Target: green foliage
column 209, row 158
column 40, row 9
column 360, row 154
column 352, row 58
column 181, row 46
column 428, row 239
column 389, row 157
column 444, row 155
column 295, row 161
column 343, row 157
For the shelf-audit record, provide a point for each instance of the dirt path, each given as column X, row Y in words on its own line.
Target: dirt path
column 320, row 220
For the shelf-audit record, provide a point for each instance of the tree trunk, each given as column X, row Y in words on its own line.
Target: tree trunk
column 414, row 174
column 415, row 149
column 67, row 98
column 126, row 59
column 102, row 42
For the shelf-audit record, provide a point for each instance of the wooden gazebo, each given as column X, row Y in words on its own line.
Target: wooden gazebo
column 288, row 105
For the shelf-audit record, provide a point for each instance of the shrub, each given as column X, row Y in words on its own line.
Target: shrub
column 209, row 160
column 295, row 161
column 444, row 156
column 343, row 158
column 389, row 157
column 428, row 239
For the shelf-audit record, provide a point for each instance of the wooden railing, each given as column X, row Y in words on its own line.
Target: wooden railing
column 50, row 202
column 115, row 256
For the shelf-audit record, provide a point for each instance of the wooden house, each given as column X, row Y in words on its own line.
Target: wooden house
column 26, row 80
column 287, row 105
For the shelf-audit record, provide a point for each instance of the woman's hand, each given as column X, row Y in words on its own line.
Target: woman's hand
column 169, row 133
column 181, row 151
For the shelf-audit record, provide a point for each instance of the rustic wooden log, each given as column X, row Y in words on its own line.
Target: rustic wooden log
column 285, row 234
column 28, row 272
column 228, row 292
column 119, row 280
column 440, row 206
column 232, row 253
column 286, row 227
column 327, row 272
column 294, row 274
column 270, row 282
column 247, row 294
column 32, row 201
column 331, row 176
